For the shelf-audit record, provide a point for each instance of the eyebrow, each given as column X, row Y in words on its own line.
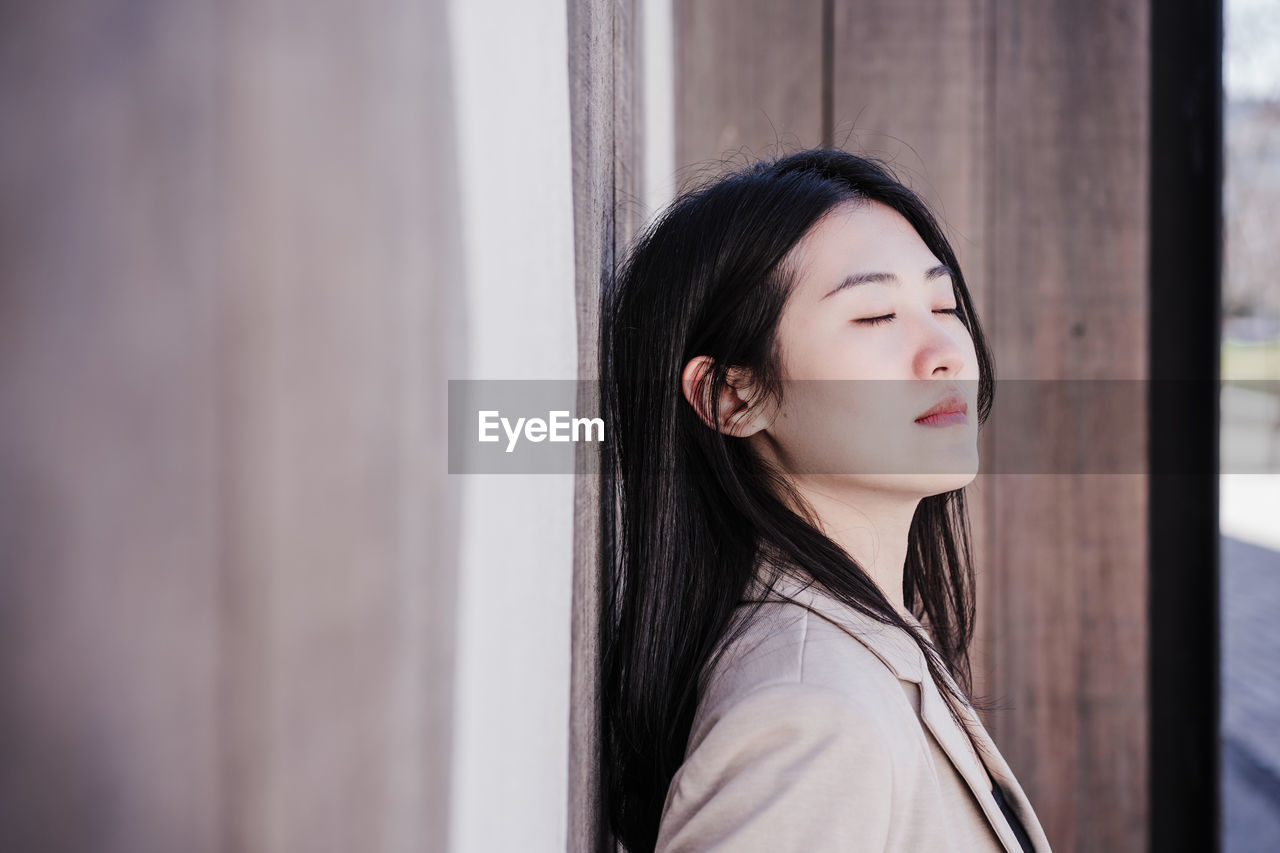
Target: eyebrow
column 885, row 278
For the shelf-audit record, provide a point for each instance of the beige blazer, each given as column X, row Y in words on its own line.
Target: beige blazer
column 820, row 730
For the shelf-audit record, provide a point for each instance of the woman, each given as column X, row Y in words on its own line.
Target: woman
column 791, row 602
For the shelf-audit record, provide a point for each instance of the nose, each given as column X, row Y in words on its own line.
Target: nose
column 942, row 348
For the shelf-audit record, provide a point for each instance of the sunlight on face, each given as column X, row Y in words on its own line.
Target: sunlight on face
column 870, row 341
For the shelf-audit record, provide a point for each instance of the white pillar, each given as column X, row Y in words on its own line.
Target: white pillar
column 510, row 760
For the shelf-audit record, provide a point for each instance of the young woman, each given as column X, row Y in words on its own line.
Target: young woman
column 790, row 606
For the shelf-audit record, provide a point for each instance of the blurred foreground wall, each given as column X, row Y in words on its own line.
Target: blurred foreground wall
column 243, row 247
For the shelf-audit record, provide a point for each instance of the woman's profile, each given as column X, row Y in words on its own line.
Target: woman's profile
column 790, row 604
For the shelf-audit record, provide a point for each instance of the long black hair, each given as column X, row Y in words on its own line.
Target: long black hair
column 696, row 508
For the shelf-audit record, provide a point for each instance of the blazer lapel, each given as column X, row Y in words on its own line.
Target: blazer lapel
column 935, row 714
column 900, row 653
column 1000, row 771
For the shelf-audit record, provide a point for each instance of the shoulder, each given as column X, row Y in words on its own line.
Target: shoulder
column 788, row 766
column 795, row 745
column 791, row 675
column 785, row 643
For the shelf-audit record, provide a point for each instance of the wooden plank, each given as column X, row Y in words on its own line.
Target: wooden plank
column 910, row 86
column 1067, row 587
column 748, row 81
column 591, row 68
column 604, row 75
column 603, row 78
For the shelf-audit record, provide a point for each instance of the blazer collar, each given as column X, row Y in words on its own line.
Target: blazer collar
column 904, row 658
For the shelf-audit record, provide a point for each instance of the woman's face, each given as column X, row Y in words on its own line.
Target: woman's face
column 869, row 342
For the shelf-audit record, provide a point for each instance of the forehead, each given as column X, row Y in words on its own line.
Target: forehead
column 855, row 238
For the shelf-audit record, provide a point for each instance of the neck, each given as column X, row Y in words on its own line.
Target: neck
column 870, row 525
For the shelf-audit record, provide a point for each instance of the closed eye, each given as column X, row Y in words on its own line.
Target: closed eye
column 886, row 318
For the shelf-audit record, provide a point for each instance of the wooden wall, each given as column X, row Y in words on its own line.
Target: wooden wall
column 1025, row 125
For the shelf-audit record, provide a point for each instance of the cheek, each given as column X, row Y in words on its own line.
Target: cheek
column 833, row 350
column 835, row 426
column 970, row 369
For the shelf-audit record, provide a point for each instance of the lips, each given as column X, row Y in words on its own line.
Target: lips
column 952, row 403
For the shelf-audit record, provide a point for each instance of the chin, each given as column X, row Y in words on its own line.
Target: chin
column 949, row 483
column 922, row 485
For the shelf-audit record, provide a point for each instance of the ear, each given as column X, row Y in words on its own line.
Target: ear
column 739, row 404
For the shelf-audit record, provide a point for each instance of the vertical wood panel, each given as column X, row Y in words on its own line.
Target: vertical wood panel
column 591, row 94
column 1067, row 597
column 748, row 78
column 604, row 79
column 910, row 86
column 628, row 134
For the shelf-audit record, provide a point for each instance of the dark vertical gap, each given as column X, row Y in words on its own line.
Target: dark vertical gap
column 828, row 72
column 1185, row 298
column 603, row 839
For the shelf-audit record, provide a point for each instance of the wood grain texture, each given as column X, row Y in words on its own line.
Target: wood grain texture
column 748, row 81
column 910, row 87
column 1068, row 599
column 604, row 81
